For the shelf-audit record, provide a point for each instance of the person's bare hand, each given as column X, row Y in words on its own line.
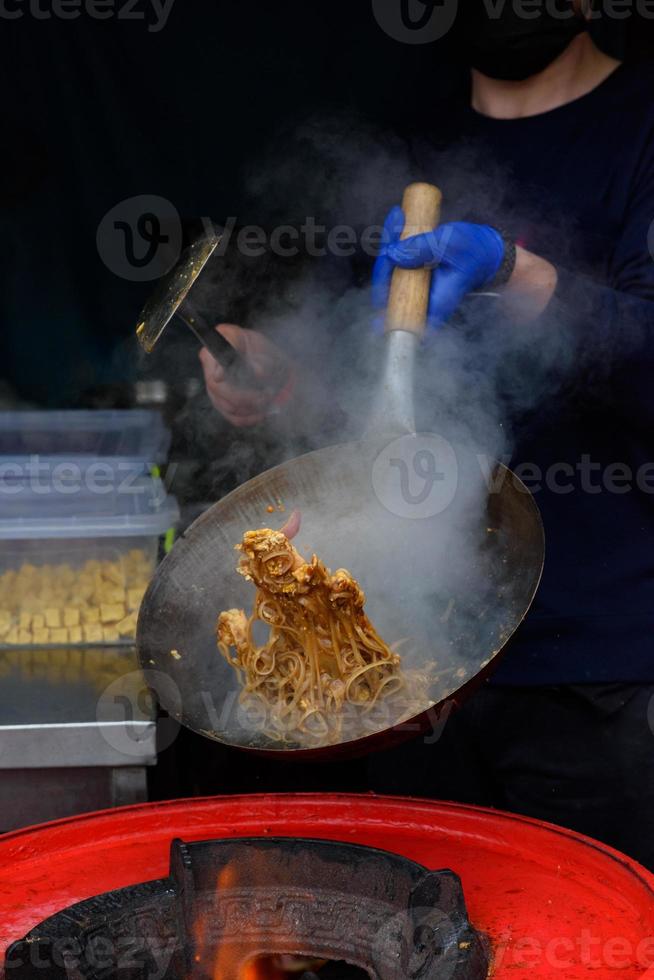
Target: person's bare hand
column 245, row 406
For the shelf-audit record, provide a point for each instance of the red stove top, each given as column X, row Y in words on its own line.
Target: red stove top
column 553, row 904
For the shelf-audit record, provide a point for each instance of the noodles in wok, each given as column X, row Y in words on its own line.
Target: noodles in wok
column 324, row 674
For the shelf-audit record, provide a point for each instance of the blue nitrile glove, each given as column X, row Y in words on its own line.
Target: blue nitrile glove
column 465, row 257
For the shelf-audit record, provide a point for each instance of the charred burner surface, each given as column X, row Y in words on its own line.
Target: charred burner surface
column 264, row 909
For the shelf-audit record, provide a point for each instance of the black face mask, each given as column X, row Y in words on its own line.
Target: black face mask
column 507, row 46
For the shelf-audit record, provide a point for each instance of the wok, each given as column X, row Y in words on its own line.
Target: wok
column 448, row 551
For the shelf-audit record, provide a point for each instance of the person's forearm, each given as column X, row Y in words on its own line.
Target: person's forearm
column 589, row 327
column 602, row 318
column 531, row 286
column 608, row 323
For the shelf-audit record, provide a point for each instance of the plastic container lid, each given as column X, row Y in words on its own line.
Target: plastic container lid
column 138, row 434
column 109, row 505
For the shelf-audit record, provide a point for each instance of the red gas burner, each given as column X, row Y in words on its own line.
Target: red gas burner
column 545, row 902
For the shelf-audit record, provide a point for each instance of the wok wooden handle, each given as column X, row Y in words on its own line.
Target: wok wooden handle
column 409, row 298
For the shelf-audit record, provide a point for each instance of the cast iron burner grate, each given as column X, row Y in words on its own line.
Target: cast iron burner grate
column 265, row 909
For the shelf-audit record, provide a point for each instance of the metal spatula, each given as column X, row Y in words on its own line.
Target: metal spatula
column 173, row 297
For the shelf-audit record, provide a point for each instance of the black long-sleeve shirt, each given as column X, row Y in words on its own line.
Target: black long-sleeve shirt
column 576, row 186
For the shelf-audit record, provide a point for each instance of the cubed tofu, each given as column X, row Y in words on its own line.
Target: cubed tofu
column 24, row 637
column 110, row 634
column 112, row 612
column 92, row 633
column 41, row 635
column 59, row 635
column 112, row 594
column 12, row 636
column 127, row 626
column 135, row 597
column 71, row 616
column 5, row 621
column 24, row 620
column 114, row 572
column 52, row 617
column 75, row 634
column 31, row 604
column 38, row 622
column 90, row 615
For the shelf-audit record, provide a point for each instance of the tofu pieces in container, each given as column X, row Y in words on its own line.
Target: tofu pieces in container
column 74, row 565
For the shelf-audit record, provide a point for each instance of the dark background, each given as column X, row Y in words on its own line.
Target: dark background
column 99, row 111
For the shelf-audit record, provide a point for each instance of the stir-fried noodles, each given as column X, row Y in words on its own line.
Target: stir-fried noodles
column 324, row 674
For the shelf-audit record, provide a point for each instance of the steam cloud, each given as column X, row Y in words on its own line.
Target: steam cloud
column 479, row 376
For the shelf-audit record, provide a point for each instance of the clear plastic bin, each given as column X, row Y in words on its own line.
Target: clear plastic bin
column 138, row 434
column 75, row 561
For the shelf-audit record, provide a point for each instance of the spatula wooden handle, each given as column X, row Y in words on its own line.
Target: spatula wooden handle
column 409, row 297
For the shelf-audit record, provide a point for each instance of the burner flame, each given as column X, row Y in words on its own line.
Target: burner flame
column 237, row 956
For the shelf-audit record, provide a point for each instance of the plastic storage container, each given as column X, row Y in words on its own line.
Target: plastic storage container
column 76, row 557
column 134, row 434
